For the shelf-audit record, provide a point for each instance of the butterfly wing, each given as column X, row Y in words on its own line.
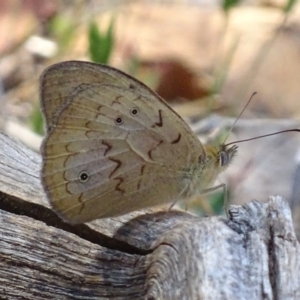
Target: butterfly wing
column 112, row 145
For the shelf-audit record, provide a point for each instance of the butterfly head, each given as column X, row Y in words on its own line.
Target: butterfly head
column 220, row 156
column 226, row 155
column 211, row 162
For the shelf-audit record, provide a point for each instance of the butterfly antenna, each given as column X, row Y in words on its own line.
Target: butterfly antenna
column 261, row 136
column 232, row 126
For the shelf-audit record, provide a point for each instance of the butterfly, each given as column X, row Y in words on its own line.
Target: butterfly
column 113, row 146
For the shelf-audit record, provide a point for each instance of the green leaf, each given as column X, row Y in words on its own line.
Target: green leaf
column 229, row 4
column 36, row 120
column 289, row 6
column 101, row 44
column 63, row 29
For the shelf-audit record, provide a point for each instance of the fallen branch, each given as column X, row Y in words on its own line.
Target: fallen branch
column 143, row 255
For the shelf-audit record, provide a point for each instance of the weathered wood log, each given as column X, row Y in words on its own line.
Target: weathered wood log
column 144, row 255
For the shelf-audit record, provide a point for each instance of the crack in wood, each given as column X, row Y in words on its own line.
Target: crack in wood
column 41, row 213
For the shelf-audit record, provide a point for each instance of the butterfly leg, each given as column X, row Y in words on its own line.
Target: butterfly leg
column 204, row 204
column 186, row 206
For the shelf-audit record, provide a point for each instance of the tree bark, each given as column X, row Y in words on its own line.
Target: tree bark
column 253, row 254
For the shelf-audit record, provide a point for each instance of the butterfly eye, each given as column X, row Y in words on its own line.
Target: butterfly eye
column 224, row 158
column 118, row 121
column 134, row 111
column 84, row 176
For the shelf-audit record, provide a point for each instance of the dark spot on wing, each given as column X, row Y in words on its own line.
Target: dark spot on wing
column 119, row 164
column 177, row 140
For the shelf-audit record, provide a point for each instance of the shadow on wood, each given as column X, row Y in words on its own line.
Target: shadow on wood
column 144, row 255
